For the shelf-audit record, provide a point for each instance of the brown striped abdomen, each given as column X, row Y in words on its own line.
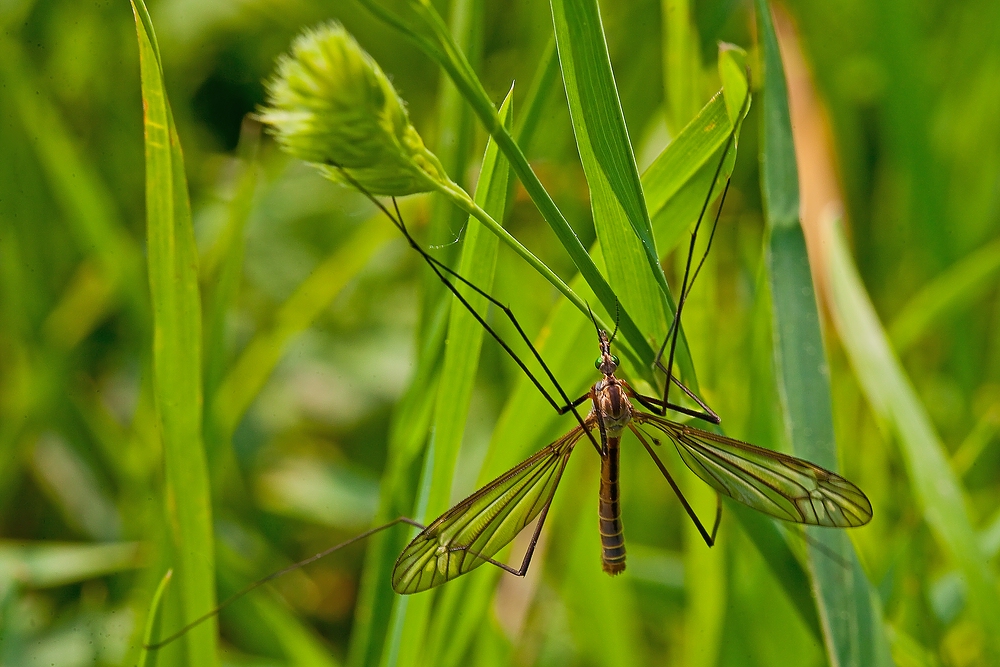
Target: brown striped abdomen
column 612, row 537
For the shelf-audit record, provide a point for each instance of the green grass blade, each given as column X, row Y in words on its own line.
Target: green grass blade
column 381, row 612
column 411, row 423
column 461, row 359
column 457, row 622
column 424, row 26
column 153, row 621
column 892, row 397
column 49, row 564
column 620, row 216
column 413, row 417
column 173, row 280
column 689, row 152
column 852, row 627
column 678, row 179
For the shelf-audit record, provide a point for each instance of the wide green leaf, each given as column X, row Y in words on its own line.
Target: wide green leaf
column 172, row 265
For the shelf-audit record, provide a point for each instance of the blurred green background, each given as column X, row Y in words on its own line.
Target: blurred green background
column 327, row 315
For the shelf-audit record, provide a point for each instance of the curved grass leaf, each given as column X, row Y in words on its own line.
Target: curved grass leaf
column 412, row 418
column 848, row 611
column 173, row 280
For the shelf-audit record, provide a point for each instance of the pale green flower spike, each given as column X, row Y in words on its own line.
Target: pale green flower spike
column 331, row 104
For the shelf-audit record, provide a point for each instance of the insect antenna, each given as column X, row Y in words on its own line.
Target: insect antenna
column 617, row 314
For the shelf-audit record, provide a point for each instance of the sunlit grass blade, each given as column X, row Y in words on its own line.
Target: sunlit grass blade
column 939, row 492
column 620, row 216
column 415, row 411
column 454, row 629
column 173, row 280
column 851, row 621
column 413, row 417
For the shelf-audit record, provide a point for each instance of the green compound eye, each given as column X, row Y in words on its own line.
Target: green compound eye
column 614, row 360
column 597, row 364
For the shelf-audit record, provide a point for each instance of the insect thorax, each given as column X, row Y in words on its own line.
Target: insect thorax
column 613, row 405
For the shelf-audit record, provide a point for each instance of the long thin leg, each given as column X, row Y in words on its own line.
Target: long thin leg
column 709, row 538
column 526, row 561
column 274, row 575
column 686, row 282
column 688, row 279
column 655, row 405
column 440, row 269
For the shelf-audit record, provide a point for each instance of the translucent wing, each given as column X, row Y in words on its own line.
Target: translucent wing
column 478, row 527
column 776, row 484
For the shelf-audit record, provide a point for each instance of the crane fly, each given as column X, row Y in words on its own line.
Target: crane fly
column 473, row 531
